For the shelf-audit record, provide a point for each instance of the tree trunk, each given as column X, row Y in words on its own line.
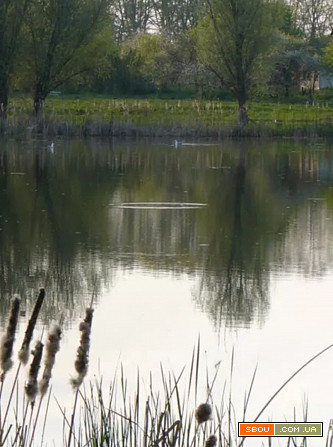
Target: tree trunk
column 38, row 107
column 243, row 117
column 39, row 99
column 3, row 102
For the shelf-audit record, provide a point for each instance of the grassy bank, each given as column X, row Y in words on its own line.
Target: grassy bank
column 174, row 118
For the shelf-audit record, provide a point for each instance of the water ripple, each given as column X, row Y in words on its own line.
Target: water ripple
column 160, row 205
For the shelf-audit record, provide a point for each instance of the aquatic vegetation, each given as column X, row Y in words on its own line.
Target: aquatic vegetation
column 24, row 351
column 81, row 362
column 31, row 387
column 166, row 415
column 177, row 118
column 7, row 340
column 203, row 413
column 51, row 348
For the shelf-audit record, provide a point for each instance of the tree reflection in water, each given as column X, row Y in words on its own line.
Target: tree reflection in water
column 61, row 227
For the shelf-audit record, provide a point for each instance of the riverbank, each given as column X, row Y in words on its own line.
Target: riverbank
column 174, row 118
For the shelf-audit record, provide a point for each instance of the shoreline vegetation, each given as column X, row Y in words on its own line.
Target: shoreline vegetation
column 170, row 415
column 191, row 118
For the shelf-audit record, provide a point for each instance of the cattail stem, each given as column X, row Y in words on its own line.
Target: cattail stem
column 45, row 417
column 9, row 402
column 27, row 429
column 72, row 418
column 37, row 416
column 21, row 427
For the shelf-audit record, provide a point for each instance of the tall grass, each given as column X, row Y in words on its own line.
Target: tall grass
column 169, row 414
column 178, row 118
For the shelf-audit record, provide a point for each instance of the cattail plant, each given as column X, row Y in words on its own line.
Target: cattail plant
column 24, row 351
column 7, row 340
column 211, row 441
column 203, row 413
column 81, row 362
column 31, row 388
column 51, row 348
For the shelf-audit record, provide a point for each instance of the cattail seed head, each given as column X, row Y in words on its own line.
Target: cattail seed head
column 51, row 348
column 81, row 362
column 211, row 441
column 31, row 387
column 7, row 340
column 24, row 351
column 203, row 413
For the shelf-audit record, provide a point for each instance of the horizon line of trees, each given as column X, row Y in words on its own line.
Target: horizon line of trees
column 129, row 47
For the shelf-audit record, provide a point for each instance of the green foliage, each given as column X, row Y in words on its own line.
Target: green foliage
column 295, row 65
column 64, row 39
column 284, row 18
column 150, row 58
column 155, row 117
column 11, row 16
column 328, row 54
column 313, row 17
column 245, row 47
column 232, row 41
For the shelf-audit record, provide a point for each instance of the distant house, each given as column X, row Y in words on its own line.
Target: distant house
column 317, row 81
column 326, row 80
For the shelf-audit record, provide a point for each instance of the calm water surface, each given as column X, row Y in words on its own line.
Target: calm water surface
column 232, row 241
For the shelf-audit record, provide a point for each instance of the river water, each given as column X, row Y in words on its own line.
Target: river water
column 228, row 243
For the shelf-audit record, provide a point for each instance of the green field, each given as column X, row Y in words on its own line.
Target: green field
column 156, row 117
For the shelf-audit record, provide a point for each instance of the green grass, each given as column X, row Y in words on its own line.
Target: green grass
column 157, row 117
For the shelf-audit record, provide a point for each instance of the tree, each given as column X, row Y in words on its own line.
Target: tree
column 66, row 38
column 296, row 67
column 130, row 17
column 164, row 61
column 11, row 16
column 314, row 17
column 232, row 41
column 172, row 17
column 328, row 54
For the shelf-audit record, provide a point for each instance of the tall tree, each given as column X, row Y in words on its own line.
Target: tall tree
column 66, row 40
column 314, row 17
column 232, row 41
column 11, row 15
column 131, row 17
column 172, row 17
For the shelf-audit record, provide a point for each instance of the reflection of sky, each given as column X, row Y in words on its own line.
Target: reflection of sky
column 144, row 320
column 147, row 316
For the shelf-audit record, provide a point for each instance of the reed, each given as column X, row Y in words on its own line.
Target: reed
column 162, row 415
column 51, row 348
column 177, row 118
column 20, row 430
column 81, row 363
column 31, row 387
column 24, row 351
column 7, row 340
